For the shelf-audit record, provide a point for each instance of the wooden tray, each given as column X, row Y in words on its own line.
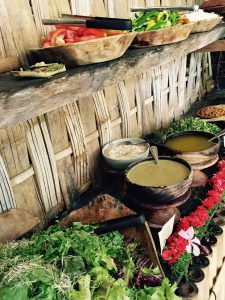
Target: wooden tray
column 162, row 36
column 84, row 53
column 205, row 25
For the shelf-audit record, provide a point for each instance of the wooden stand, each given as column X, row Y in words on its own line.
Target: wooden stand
column 157, row 215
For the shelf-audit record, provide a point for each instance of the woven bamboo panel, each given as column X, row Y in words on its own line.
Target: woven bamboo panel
column 21, row 29
column 46, row 161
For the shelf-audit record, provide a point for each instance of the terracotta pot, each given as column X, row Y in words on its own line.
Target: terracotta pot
column 200, row 261
column 187, row 289
column 196, row 274
column 221, row 243
column 221, row 212
column 205, row 249
column 199, row 178
column 215, row 229
column 210, row 240
column 219, row 221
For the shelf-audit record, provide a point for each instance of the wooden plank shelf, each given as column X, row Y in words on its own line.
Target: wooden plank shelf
column 22, row 99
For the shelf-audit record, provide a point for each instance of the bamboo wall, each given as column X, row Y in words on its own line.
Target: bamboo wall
column 45, row 161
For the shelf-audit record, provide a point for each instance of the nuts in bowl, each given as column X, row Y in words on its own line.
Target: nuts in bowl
column 214, row 111
column 121, row 153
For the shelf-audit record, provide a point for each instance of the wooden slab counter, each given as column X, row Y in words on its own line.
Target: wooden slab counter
column 22, row 99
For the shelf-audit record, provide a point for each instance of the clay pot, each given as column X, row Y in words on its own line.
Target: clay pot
column 215, row 229
column 200, row 261
column 196, row 275
column 219, row 221
column 198, row 159
column 199, row 178
column 205, row 249
column 187, row 289
column 221, row 212
column 209, row 240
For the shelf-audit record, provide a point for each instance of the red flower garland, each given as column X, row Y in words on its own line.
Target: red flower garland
column 176, row 245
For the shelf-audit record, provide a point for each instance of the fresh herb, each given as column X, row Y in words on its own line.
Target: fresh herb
column 180, row 268
column 188, row 124
column 153, row 20
column 164, row 292
column 54, row 67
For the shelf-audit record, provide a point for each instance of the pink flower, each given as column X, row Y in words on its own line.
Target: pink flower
column 193, row 242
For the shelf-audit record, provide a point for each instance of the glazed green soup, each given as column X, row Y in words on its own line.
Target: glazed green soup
column 189, row 143
column 165, row 173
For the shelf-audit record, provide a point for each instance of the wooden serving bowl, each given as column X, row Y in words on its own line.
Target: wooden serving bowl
column 157, row 196
column 84, row 53
column 198, row 159
column 162, row 36
column 200, row 113
column 205, row 25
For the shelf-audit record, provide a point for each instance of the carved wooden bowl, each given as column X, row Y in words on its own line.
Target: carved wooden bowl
column 84, row 53
column 162, row 36
column 198, row 159
column 205, row 25
column 158, row 196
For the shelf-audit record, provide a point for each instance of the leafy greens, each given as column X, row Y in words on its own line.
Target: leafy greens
column 75, row 264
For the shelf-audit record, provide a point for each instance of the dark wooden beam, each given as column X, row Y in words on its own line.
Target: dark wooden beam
column 21, row 100
column 216, row 46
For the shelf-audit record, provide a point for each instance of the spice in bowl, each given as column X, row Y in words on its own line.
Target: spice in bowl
column 213, row 111
column 124, row 151
column 121, row 153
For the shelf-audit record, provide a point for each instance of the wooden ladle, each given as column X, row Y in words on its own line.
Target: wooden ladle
column 154, row 153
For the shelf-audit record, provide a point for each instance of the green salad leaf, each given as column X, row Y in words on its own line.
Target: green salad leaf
column 74, row 264
column 188, row 124
column 155, row 19
column 84, row 292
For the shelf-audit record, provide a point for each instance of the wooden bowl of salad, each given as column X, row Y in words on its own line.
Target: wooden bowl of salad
column 162, row 36
column 205, row 25
column 156, row 28
column 82, row 46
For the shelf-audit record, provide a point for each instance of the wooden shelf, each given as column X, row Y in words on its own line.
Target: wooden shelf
column 22, row 99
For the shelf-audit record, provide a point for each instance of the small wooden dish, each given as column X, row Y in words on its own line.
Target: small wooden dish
column 162, row 36
column 84, row 53
column 205, row 25
column 214, row 119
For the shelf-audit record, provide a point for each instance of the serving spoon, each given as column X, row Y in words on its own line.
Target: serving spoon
column 219, row 134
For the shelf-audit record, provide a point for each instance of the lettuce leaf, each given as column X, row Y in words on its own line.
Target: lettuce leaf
column 84, row 292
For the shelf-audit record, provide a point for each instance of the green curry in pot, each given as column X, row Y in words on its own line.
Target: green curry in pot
column 165, row 173
column 189, row 143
